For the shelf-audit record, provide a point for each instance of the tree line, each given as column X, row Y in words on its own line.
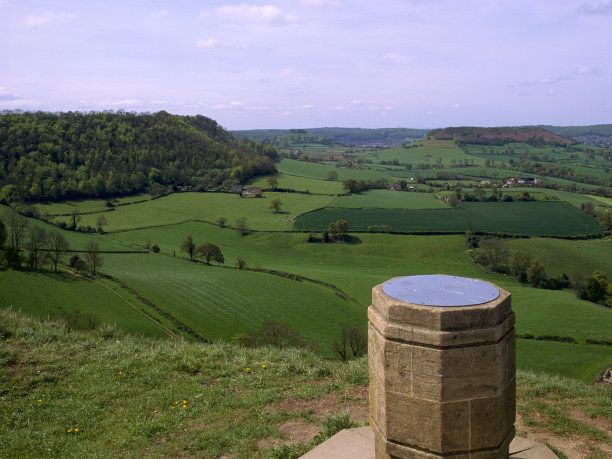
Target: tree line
column 32, row 247
column 69, row 155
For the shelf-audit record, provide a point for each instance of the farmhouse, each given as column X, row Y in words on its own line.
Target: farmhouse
column 251, row 191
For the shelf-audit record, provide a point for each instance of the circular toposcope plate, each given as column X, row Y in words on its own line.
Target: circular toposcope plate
column 440, row 290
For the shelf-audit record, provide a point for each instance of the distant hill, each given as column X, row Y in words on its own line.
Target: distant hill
column 598, row 135
column 532, row 135
column 68, row 155
column 342, row 136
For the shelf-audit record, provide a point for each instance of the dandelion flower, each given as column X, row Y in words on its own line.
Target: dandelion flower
column 120, row 373
column 172, row 407
column 39, row 400
column 76, row 430
column 248, row 369
column 176, row 403
column 263, row 366
column 69, row 430
column 184, row 406
column 184, row 402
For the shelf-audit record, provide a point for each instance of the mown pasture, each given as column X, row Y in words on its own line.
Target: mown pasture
column 561, row 256
column 387, row 199
column 297, row 183
column 222, row 304
column 527, row 218
column 320, row 171
column 77, row 301
column 87, row 205
column 182, row 207
column 578, row 361
column 428, row 152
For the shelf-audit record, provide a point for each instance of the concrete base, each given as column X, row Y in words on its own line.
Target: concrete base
column 359, row 444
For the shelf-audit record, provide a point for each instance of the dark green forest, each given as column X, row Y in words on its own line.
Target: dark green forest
column 69, row 155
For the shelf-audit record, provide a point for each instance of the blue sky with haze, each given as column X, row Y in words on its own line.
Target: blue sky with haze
column 311, row 63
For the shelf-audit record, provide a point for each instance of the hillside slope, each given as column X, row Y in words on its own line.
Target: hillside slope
column 101, row 394
column 531, row 135
column 67, row 155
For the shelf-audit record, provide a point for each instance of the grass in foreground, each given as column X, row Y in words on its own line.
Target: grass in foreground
column 71, row 394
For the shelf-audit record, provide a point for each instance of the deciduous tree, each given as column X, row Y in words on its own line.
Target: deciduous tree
column 209, row 251
column 58, row 245
column 519, row 264
column 188, row 246
column 536, row 274
column 92, row 257
column 37, row 240
column 241, row 226
column 276, row 205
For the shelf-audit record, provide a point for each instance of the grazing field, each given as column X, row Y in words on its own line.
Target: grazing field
column 578, row 361
column 561, row 256
column 574, row 199
column 529, row 218
column 297, row 183
column 560, row 313
column 182, row 207
column 79, row 302
column 88, row 205
column 220, row 303
column 320, row 171
column 387, row 199
column 430, row 150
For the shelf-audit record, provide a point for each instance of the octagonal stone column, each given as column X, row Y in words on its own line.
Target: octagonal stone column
column 442, row 368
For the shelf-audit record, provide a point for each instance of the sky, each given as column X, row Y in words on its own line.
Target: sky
column 253, row 64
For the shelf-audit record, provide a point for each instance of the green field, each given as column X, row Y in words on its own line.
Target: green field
column 223, row 303
column 320, row 171
column 428, row 153
column 62, row 296
column 387, row 199
column 529, row 218
column 297, row 183
column 88, row 205
column 578, row 361
column 561, row 256
column 182, row 207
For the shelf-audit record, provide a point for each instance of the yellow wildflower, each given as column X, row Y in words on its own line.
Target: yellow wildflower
column 76, row 430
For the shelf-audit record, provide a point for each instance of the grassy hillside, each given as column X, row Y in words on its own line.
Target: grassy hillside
column 71, row 394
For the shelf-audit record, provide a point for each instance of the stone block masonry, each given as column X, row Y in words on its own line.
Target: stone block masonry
column 442, row 375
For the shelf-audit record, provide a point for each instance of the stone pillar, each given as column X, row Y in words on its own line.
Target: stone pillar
column 442, row 368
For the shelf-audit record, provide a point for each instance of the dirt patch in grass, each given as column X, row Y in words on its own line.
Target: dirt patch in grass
column 572, row 446
column 354, row 400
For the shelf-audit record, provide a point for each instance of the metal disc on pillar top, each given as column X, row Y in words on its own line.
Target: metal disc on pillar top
column 440, row 290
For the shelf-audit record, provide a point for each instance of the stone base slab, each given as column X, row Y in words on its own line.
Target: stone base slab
column 359, row 444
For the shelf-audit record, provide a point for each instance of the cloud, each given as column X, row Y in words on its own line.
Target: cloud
column 598, row 9
column 213, row 43
column 159, row 14
column 5, row 94
column 586, row 70
column 547, row 81
column 254, row 14
column 48, row 18
column 396, row 58
column 122, row 102
column 322, row 3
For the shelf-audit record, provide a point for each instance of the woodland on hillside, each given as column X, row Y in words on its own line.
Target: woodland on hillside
column 70, row 155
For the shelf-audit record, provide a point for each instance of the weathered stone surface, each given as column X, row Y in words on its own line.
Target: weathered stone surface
column 441, row 378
